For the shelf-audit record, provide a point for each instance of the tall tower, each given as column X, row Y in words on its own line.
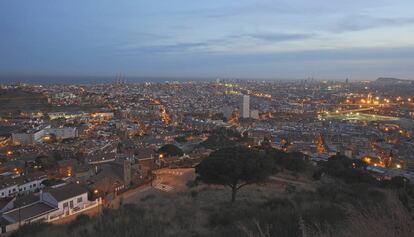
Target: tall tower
column 245, row 107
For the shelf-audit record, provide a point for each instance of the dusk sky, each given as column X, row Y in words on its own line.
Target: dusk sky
column 359, row 39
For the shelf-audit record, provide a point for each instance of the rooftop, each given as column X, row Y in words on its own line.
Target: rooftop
column 29, row 212
column 66, row 191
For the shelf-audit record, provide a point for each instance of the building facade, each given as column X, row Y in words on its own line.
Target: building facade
column 245, row 107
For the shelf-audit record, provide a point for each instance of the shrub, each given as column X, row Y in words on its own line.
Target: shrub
column 31, row 229
column 81, row 220
column 171, row 150
column 194, row 193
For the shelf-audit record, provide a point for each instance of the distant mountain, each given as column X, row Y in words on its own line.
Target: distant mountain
column 390, row 81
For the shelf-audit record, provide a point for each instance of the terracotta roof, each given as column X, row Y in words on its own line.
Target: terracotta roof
column 145, row 153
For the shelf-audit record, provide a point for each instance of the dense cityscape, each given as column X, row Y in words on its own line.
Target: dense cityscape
column 69, row 149
column 222, row 118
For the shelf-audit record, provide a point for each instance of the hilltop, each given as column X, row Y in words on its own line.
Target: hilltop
column 390, row 80
column 333, row 201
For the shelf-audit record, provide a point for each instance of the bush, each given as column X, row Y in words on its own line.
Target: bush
column 31, row 229
column 191, row 183
column 148, row 197
column 222, row 138
column 295, row 161
column 80, row 221
column 181, row 139
column 194, row 193
column 346, row 169
column 323, row 215
column 171, row 150
column 290, row 188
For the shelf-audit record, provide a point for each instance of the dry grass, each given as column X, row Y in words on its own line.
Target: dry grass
column 209, row 212
column 394, row 222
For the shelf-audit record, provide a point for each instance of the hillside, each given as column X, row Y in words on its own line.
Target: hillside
column 276, row 208
column 390, row 80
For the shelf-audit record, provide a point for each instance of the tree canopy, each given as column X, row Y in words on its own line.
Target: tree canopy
column 170, row 150
column 45, row 162
column 350, row 170
column 234, row 167
column 295, row 161
column 222, row 138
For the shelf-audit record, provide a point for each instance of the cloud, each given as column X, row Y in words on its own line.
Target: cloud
column 214, row 45
column 252, row 9
column 164, row 48
column 276, row 37
column 361, row 22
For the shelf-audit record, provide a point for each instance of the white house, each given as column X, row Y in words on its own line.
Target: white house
column 66, row 198
column 11, row 186
column 53, row 204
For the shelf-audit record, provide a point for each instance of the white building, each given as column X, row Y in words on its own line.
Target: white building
column 11, row 186
column 66, row 198
column 63, row 133
column 53, row 203
column 30, row 136
column 254, row 114
column 36, row 135
column 245, row 107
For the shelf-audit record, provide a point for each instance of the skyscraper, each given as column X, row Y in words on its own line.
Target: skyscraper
column 245, row 107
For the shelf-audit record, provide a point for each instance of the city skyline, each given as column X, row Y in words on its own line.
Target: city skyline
column 229, row 39
column 286, row 118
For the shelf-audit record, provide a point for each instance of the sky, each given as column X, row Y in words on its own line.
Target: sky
column 280, row 39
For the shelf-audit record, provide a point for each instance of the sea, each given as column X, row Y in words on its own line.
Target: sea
column 90, row 79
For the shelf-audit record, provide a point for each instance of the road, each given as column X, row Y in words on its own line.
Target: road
column 166, row 181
